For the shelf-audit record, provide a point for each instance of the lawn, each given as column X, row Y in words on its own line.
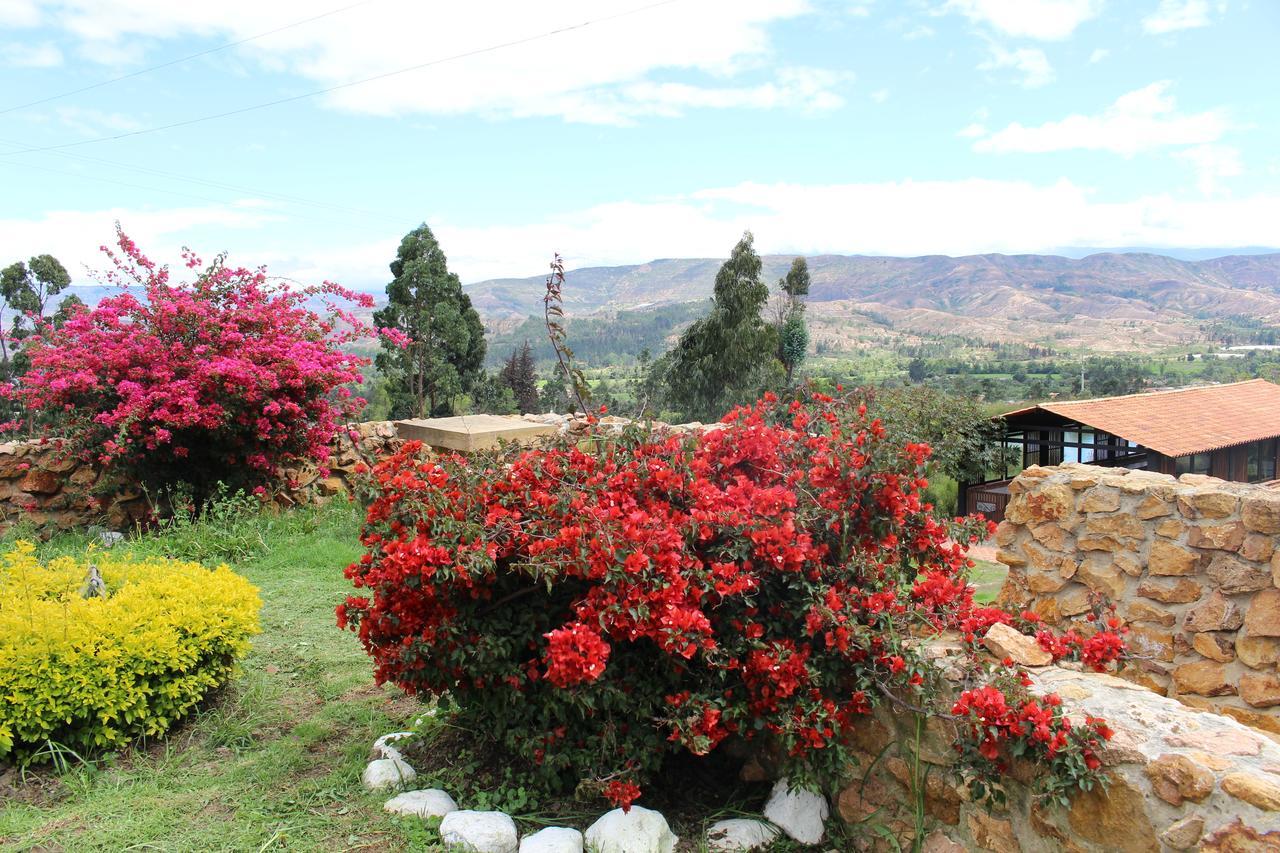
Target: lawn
column 274, row 760
column 987, row 578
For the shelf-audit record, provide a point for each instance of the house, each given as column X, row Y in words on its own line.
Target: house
column 1225, row 431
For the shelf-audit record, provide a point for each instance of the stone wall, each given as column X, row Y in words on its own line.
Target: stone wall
column 1179, row 779
column 1191, row 565
column 43, row 489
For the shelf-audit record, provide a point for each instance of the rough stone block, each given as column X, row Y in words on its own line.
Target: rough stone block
column 1232, row 575
column 1263, row 616
column 469, row 433
column 1169, row 559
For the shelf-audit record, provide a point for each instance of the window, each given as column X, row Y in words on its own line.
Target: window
column 1196, row 463
column 1261, row 463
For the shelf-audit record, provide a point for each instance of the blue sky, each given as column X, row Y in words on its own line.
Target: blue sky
column 655, row 130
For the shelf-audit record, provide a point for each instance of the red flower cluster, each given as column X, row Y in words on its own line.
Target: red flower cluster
column 646, row 592
column 1097, row 651
column 999, row 728
column 575, row 655
column 231, row 373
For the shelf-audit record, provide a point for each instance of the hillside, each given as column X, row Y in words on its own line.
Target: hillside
column 1106, row 301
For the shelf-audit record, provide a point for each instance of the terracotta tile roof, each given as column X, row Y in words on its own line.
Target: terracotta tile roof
column 1187, row 420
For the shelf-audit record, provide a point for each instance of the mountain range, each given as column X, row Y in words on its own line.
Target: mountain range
column 1111, row 301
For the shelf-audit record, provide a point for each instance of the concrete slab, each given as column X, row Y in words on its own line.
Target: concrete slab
column 468, row 433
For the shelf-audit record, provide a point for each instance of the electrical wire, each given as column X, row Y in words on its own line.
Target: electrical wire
column 180, row 193
column 183, row 59
column 350, row 84
column 290, row 199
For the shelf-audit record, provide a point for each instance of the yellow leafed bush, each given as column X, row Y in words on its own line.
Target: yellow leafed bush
column 95, row 672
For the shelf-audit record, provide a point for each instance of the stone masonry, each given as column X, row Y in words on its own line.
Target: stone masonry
column 1177, row 779
column 1191, row 566
column 40, row 487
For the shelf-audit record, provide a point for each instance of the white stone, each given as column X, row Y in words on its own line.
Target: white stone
column 480, row 832
column 431, row 802
column 800, row 813
column 639, row 830
column 387, row 774
column 739, row 834
column 387, row 745
column 553, row 839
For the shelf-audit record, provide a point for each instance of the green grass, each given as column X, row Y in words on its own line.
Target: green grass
column 273, row 761
column 987, row 578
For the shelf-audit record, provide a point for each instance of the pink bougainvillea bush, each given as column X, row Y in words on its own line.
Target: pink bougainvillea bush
column 227, row 377
column 598, row 605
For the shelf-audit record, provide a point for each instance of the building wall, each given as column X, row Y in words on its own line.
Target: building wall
column 1190, row 565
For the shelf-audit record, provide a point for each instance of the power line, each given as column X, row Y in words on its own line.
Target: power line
column 291, row 199
column 181, row 194
column 182, row 59
column 348, row 85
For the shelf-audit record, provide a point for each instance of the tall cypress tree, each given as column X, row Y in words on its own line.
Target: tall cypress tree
column 446, row 355
column 793, row 332
column 519, row 374
column 730, row 356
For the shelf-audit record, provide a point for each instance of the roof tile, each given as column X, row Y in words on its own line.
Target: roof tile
column 1183, row 421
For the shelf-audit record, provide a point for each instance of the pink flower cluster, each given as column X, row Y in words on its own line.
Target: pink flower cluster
column 230, row 371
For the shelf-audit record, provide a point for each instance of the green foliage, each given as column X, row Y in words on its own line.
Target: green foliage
column 613, row 339
column 965, row 441
column 445, row 354
column 793, row 332
column 25, row 290
column 493, row 396
column 518, row 374
column 92, row 671
column 227, row 527
column 729, row 356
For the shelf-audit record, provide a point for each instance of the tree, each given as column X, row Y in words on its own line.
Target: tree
column 26, row 290
column 445, row 352
column 519, row 375
column 729, row 356
column 917, row 371
column 793, row 332
column 966, row 442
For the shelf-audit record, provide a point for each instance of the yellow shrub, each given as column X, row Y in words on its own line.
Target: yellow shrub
column 97, row 672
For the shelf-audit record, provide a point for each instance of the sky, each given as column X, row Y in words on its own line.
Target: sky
column 310, row 136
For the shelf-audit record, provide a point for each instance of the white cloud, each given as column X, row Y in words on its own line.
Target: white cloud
column 44, row 55
column 73, row 236
column 1030, row 62
column 972, row 131
column 19, row 13
column 1212, row 163
column 1048, row 20
column 1099, row 54
column 1138, row 121
column 806, row 89
column 603, row 73
column 895, row 218
column 880, row 95
column 1174, row 15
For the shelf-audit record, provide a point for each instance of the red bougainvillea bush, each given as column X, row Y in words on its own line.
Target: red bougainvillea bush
column 598, row 605
column 226, row 377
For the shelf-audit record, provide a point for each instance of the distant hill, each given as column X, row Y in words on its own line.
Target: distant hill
column 1111, row 301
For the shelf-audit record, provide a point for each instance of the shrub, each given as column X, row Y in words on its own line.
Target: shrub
column 95, row 672
column 596, row 606
column 228, row 377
